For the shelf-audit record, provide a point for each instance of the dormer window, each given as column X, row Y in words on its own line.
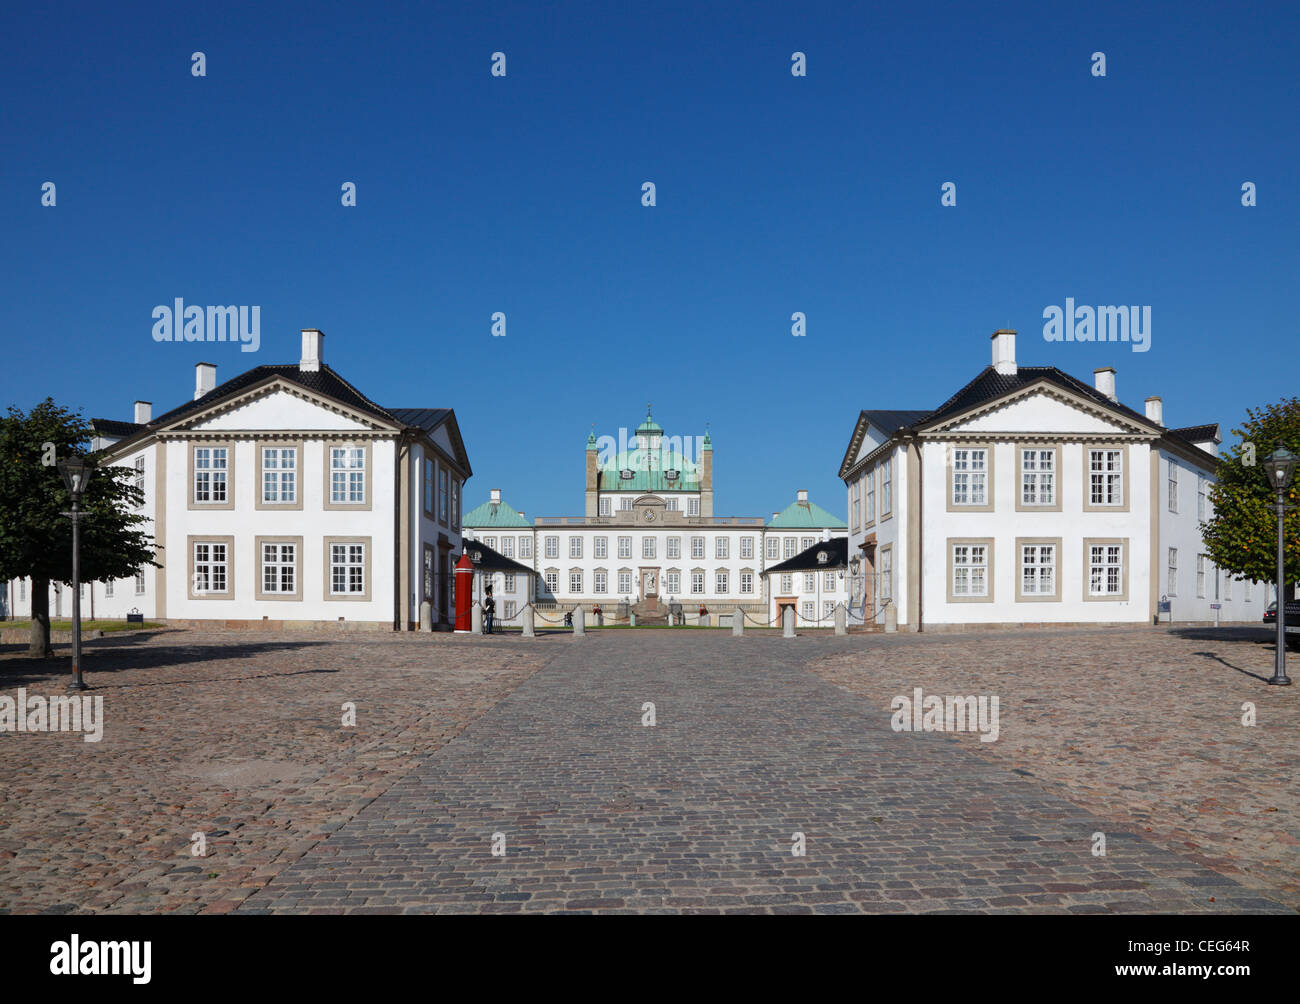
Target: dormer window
column 627, row 474
column 672, row 475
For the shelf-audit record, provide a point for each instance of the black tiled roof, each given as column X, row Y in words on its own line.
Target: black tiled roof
column 427, row 419
column 837, row 556
column 323, row 381
column 890, row 422
column 111, row 427
column 991, row 384
column 493, row 561
column 1197, row 433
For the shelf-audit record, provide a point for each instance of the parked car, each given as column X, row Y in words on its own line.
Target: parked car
column 1270, row 615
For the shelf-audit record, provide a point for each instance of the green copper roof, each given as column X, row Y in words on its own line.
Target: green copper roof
column 649, row 425
column 648, row 467
column 805, row 516
column 491, row 514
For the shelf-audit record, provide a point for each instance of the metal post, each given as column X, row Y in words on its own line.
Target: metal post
column 1279, row 678
column 77, row 682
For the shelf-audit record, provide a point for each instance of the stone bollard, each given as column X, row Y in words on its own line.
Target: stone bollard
column 631, row 620
column 527, row 617
column 426, row 616
column 579, row 623
column 787, row 623
column 476, row 619
column 841, row 619
column 891, row 617
column 600, row 619
column 704, row 620
column 737, row 621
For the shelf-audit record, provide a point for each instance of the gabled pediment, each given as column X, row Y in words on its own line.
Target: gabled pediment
column 1042, row 408
column 279, row 406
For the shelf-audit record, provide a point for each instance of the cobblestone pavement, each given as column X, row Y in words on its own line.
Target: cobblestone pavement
column 234, row 734
column 1145, row 727
column 698, row 813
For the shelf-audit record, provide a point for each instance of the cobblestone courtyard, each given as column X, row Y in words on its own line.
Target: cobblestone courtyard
column 1136, row 734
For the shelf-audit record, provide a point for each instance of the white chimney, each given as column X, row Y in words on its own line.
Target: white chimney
column 775, row 515
column 802, row 495
column 521, row 513
column 313, row 345
column 1104, row 380
column 1156, row 410
column 1004, row 351
column 205, row 378
column 143, row 412
column 495, row 496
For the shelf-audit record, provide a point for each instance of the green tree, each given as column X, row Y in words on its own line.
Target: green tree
column 35, row 536
column 1241, row 538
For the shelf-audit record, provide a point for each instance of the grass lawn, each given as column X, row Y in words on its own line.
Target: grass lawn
column 86, row 625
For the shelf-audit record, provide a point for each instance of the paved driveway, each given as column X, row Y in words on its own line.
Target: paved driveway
column 698, row 813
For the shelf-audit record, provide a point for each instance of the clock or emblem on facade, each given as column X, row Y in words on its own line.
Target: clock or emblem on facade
column 649, row 516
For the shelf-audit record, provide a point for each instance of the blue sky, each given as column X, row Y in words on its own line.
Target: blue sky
column 775, row 194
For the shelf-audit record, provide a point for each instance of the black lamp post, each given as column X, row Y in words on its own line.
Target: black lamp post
column 76, row 472
column 1281, row 468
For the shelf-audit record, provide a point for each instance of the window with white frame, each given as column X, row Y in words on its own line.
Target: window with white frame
column 806, row 543
column 210, row 567
column 692, row 507
column 809, row 582
column 490, row 542
column 970, row 476
column 871, row 497
column 773, row 548
column 601, row 547
column 1173, row 485
column 443, row 494
column 970, row 570
column 1172, row 581
column 674, row 583
column 347, row 475
column 789, row 547
column 746, row 548
column 887, row 573
column 886, row 487
column 625, row 503
column 108, row 589
column 697, row 582
column 625, row 547
column 599, row 581
column 575, row 547
column 278, row 475
column 828, row 581
column 1106, row 477
column 525, row 547
column 647, row 547
column 721, row 581
column 455, row 504
column 746, row 582
column 1200, row 497
column 674, row 547
column 507, row 547
column 1105, row 569
column 604, row 506
column 210, row 474
column 508, row 582
column 1037, row 477
column 855, row 503
column 697, row 547
column 787, row 583
column 279, row 568
column 429, row 477
column 139, row 473
column 552, row 547
column 671, row 504
column 139, row 582
column 625, row 582
column 1038, row 569
column 575, row 582
column 808, row 608
column 508, row 609
column 1227, row 588
column 552, row 580
column 722, row 547
column 1200, row 576
column 347, row 569
column 828, row 609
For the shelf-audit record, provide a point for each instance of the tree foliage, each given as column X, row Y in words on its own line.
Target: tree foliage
column 1241, row 536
